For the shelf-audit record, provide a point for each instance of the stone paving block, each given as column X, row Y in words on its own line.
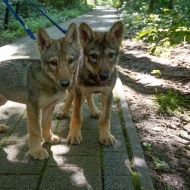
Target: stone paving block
column 74, row 161
column 118, row 183
column 90, row 123
column 19, row 181
column 10, row 114
column 71, row 178
column 87, row 147
column 116, row 163
column 20, row 133
column 15, row 159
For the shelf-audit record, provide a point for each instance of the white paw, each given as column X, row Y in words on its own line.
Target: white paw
column 74, row 138
column 107, row 139
column 40, row 154
column 52, row 139
column 62, row 115
column 96, row 114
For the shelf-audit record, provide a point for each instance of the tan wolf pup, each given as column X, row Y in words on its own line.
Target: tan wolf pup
column 96, row 73
column 41, row 84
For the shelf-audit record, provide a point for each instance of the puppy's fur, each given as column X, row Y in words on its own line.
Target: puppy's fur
column 96, row 73
column 41, row 84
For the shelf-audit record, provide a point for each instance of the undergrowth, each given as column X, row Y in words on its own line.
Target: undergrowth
column 171, row 102
column 161, row 28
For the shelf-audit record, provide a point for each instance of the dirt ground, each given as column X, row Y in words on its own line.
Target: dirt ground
column 167, row 152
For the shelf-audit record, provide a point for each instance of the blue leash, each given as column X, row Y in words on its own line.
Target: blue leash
column 22, row 23
column 20, row 20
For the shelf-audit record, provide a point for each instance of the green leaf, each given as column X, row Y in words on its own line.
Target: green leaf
column 166, row 10
column 147, row 145
column 160, row 165
column 151, row 16
column 156, row 72
column 143, row 33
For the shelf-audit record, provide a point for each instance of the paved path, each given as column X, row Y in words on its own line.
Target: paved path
column 85, row 166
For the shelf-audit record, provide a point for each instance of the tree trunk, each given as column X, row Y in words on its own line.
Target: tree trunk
column 6, row 23
column 133, row 4
column 170, row 4
column 151, row 5
column 17, row 7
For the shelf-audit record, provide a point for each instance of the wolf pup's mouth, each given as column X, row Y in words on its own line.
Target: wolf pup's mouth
column 104, row 77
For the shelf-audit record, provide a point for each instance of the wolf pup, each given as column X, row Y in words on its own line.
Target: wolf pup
column 41, row 84
column 96, row 73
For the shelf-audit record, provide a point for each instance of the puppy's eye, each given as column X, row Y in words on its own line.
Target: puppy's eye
column 53, row 63
column 111, row 55
column 71, row 61
column 93, row 57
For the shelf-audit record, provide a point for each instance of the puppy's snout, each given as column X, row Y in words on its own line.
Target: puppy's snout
column 104, row 76
column 65, row 83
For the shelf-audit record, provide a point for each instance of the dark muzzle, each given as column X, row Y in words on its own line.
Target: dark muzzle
column 65, row 83
column 104, row 76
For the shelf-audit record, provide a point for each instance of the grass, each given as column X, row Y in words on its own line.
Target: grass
column 136, row 181
column 171, row 102
column 134, row 174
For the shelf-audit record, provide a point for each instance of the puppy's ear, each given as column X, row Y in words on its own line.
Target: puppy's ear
column 43, row 41
column 116, row 32
column 72, row 35
column 86, row 33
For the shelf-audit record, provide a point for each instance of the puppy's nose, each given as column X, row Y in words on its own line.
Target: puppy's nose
column 65, row 83
column 104, row 76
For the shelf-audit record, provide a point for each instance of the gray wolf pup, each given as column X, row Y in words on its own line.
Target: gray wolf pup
column 96, row 73
column 41, row 84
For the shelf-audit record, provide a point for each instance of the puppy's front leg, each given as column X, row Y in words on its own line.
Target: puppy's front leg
column 95, row 113
column 106, row 137
column 35, row 135
column 66, row 108
column 74, row 136
column 46, row 124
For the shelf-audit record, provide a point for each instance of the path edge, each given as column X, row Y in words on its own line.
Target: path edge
column 138, row 158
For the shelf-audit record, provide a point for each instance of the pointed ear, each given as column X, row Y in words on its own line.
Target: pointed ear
column 116, row 32
column 43, row 41
column 86, row 33
column 72, row 35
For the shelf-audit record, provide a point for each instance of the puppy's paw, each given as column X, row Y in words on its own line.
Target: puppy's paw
column 96, row 114
column 3, row 128
column 107, row 139
column 74, row 138
column 62, row 115
column 40, row 154
column 53, row 139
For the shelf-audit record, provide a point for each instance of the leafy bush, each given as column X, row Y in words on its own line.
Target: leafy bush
column 116, row 3
column 166, row 29
column 162, row 28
